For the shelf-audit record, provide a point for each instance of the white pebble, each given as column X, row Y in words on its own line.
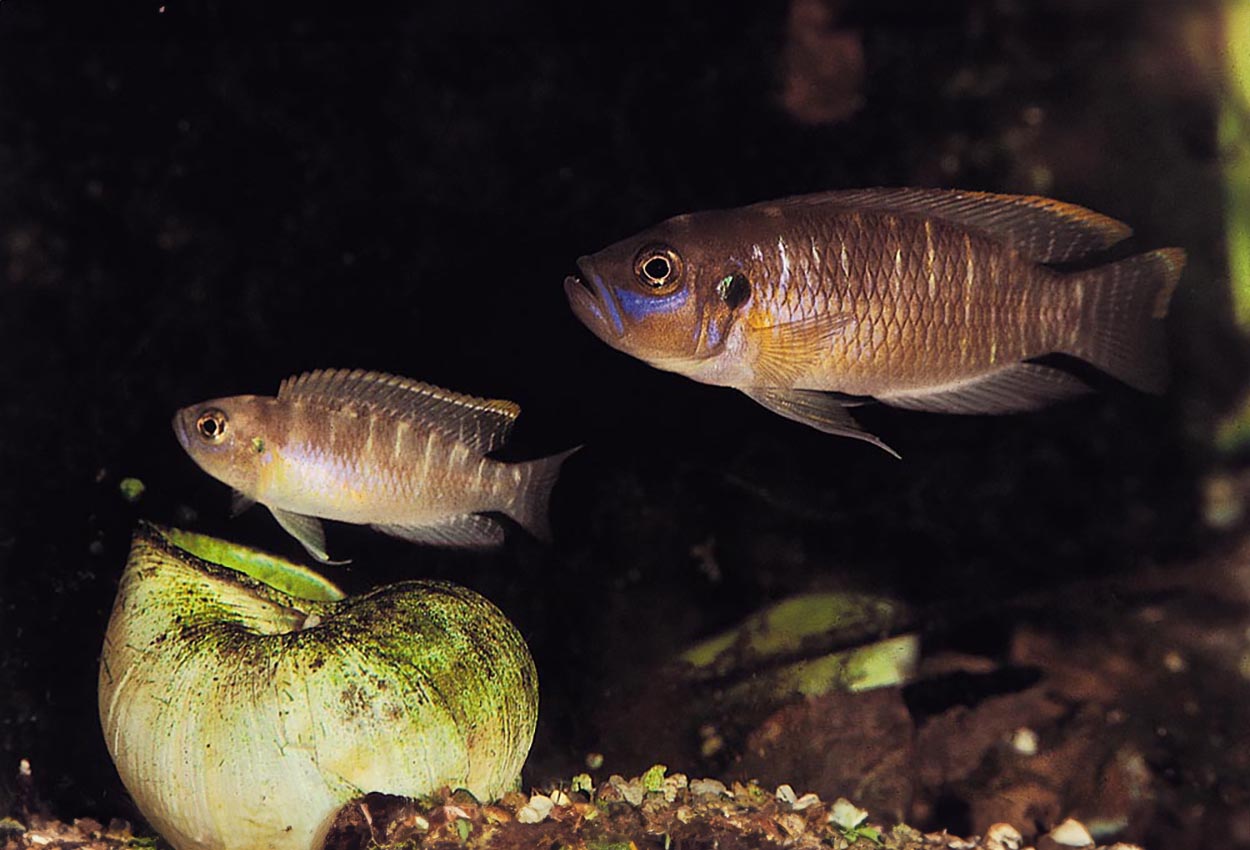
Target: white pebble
column 1024, row 741
column 560, row 798
column 785, row 794
column 846, row 815
column 1004, row 836
column 806, row 802
column 1071, row 833
column 706, row 787
column 528, row 814
column 541, row 804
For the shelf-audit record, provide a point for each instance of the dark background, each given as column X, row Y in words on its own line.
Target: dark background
column 203, row 200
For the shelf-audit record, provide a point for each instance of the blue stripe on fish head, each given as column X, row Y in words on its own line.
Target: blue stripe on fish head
column 638, row 306
column 712, row 340
column 608, row 302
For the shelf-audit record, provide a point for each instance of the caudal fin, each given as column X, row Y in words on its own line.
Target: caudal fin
column 1121, row 307
column 533, row 495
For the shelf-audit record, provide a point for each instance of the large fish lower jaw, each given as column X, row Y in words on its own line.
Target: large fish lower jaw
column 594, row 305
column 180, row 431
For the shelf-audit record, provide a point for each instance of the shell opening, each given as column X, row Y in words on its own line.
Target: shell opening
column 292, row 579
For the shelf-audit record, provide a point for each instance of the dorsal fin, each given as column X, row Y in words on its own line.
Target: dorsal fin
column 483, row 423
column 1041, row 229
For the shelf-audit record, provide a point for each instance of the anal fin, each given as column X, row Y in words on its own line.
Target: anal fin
column 1023, row 386
column 307, row 530
column 816, row 410
column 469, row 531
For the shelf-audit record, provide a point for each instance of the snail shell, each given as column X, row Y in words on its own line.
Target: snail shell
column 244, row 700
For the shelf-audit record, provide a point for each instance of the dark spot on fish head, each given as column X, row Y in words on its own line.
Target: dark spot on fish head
column 734, row 289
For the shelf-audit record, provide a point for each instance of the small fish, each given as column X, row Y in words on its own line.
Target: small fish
column 406, row 458
column 926, row 299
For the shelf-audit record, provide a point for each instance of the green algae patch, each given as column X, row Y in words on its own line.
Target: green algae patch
column 131, row 489
column 800, row 625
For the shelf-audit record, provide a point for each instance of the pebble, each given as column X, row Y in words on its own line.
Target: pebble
column 632, row 790
column 709, row 787
column 528, row 814
column 792, row 824
column 542, row 804
column 846, row 815
column 806, row 802
column 1003, row 836
column 674, row 785
column 1024, row 741
column 1071, row 833
column 536, row 810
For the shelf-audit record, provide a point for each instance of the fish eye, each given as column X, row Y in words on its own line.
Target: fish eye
column 658, row 268
column 212, row 425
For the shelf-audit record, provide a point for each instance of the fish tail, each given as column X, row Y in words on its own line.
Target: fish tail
column 1121, row 304
column 532, row 496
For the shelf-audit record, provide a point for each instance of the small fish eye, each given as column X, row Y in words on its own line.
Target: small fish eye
column 211, row 425
column 658, row 268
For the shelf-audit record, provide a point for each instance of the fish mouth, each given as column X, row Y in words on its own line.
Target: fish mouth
column 592, row 302
column 180, row 431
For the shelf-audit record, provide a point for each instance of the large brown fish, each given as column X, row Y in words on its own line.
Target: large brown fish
column 925, row 299
column 362, row 447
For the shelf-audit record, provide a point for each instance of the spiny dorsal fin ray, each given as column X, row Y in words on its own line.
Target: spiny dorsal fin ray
column 483, row 423
column 1041, row 229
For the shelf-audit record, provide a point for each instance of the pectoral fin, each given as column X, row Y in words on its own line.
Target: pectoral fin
column 816, row 410
column 469, row 531
column 307, row 530
column 786, row 350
